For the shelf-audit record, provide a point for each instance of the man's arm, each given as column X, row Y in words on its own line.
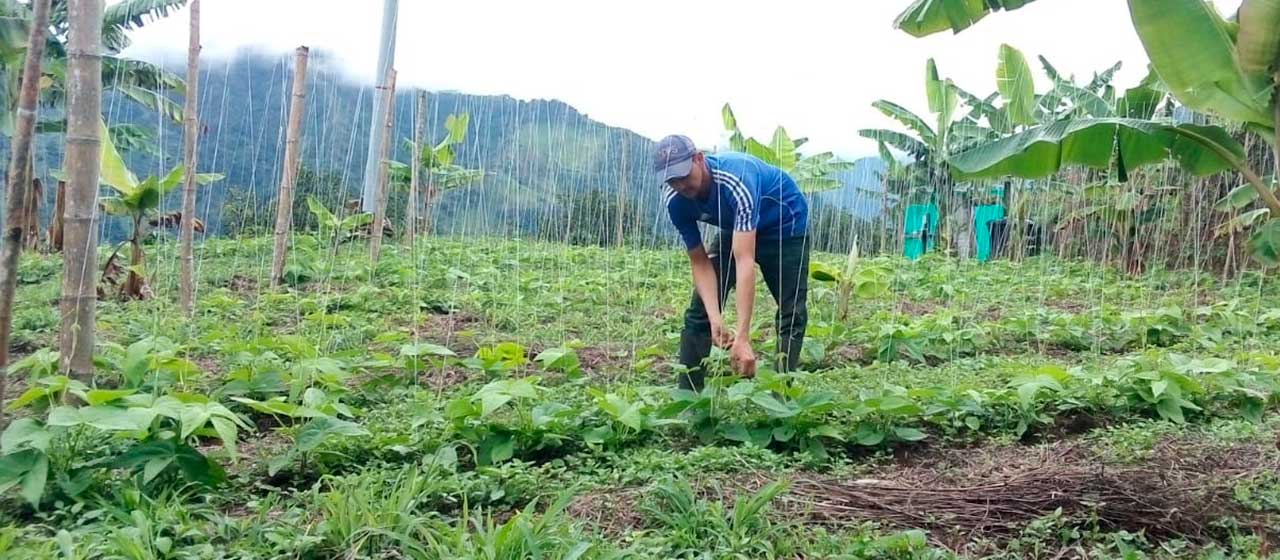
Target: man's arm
column 704, row 281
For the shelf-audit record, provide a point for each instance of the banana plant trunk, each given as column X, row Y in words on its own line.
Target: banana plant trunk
column 83, row 162
column 20, row 153
column 135, row 283
column 428, row 205
column 55, row 225
column 35, row 195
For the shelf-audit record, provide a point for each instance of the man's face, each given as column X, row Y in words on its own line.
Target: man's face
column 695, row 184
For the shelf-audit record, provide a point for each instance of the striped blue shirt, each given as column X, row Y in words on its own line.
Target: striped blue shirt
column 747, row 194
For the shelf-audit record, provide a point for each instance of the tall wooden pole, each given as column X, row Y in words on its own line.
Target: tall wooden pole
column 19, row 179
column 284, row 201
column 415, row 177
column 186, row 236
column 380, row 207
column 83, row 163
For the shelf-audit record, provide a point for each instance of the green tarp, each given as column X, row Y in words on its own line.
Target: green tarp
column 982, row 217
column 918, row 215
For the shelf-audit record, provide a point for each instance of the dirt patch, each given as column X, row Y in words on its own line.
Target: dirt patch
column 614, row 511
column 208, row 365
column 440, row 380
column 989, row 314
column 606, row 361
column 1181, row 491
column 1070, row 306
column 242, row 284
column 446, row 328
column 849, row 354
column 915, row 308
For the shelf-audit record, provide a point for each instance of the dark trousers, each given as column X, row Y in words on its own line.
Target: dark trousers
column 785, row 266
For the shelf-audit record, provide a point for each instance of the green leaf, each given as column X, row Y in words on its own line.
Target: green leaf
column 1190, row 49
column 911, row 146
column 1043, row 150
column 104, row 396
column 107, row 418
column 1238, row 198
column 114, row 173
column 736, row 431
column 823, row 273
column 559, row 359
column 1170, row 408
column 25, row 432
column 34, row 481
column 317, row 430
column 909, row 434
column 173, row 179
column 1244, row 221
column 926, row 17
column 227, row 432
column 497, row 448
column 193, row 417
column 194, row 466
column 917, row 124
column 457, row 127
column 32, row 394
column 726, row 116
column 868, row 435
column 276, row 464
column 425, row 349
column 775, row 408
column 208, row 178
column 941, row 94
column 154, row 467
column 1016, row 85
column 1139, row 103
column 322, row 214
column 1264, row 244
column 492, row 402
column 765, row 153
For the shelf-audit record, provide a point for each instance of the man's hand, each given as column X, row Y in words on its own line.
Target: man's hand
column 721, row 336
column 742, row 358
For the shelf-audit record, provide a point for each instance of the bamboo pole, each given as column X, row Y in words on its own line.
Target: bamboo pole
column 380, row 207
column 83, row 163
column 415, row 177
column 284, row 201
column 186, row 236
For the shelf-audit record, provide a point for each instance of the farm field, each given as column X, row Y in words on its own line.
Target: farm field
column 504, row 399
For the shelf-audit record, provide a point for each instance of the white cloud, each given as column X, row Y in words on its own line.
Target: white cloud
column 665, row 66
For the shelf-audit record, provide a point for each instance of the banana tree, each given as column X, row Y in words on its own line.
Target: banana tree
column 139, row 81
column 812, row 173
column 135, row 200
column 442, row 174
column 1209, row 64
column 927, row 144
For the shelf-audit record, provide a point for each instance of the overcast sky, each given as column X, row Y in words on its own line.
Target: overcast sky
column 664, row 66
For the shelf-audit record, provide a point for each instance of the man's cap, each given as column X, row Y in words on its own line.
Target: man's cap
column 673, row 157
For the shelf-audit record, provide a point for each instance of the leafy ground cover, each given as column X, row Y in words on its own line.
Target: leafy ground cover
column 509, row 399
